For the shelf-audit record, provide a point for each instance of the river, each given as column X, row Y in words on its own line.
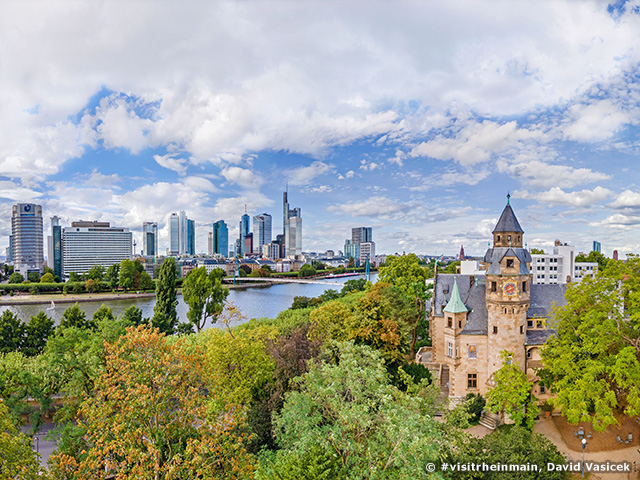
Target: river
column 252, row 302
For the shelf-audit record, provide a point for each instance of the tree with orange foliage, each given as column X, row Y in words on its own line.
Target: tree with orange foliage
column 149, row 417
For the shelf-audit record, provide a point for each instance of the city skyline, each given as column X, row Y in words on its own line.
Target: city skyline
column 414, row 119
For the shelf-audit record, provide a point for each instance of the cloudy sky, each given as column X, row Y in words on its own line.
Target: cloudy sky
column 415, row 118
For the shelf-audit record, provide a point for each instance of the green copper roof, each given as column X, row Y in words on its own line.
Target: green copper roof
column 455, row 304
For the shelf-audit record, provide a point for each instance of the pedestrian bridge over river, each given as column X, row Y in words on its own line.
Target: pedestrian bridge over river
column 241, row 280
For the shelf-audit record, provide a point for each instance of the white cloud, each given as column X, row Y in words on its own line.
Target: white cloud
column 242, row 176
column 626, row 199
column 172, row 163
column 557, row 196
column 595, row 121
column 368, row 166
column 536, row 173
column 618, row 221
column 304, row 175
column 371, row 207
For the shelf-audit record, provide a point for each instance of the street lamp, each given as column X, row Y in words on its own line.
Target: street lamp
column 584, row 444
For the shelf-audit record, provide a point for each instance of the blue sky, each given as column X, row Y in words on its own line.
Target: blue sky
column 415, row 118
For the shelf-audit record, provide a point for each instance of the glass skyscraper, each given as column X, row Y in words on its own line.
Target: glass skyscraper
column 150, row 238
column 221, row 238
column 28, row 241
column 261, row 231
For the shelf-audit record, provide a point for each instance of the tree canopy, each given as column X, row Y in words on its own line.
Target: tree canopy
column 205, row 296
column 164, row 311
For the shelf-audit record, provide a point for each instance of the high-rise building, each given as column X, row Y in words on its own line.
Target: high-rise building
column 86, row 244
column 615, row 254
column 174, row 235
column 244, row 231
column 597, row 247
column 221, row 238
column 150, row 239
column 9, row 258
column 248, row 244
column 352, row 250
column 261, row 231
column 210, row 250
column 271, row 251
column 56, row 246
column 361, row 234
column 280, row 242
column 191, row 237
column 183, row 233
column 292, row 229
column 28, row 240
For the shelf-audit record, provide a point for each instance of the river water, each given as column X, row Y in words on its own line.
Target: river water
column 252, row 302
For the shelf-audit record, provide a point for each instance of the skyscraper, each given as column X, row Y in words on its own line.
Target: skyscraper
column 28, row 241
column 56, row 246
column 292, row 229
column 174, row 234
column 190, row 248
column 360, row 245
column 221, row 238
column 210, row 250
column 150, row 238
column 244, row 231
column 361, row 234
column 183, row 236
column 597, row 247
column 261, row 231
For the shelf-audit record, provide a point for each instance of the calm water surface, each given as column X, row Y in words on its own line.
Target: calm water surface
column 252, row 302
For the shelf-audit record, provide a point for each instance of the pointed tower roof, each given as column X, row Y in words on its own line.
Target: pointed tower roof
column 508, row 221
column 455, row 304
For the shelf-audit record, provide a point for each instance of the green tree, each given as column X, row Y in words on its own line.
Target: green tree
column 146, row 282
column 47, row 278
column 75, row 317
column 113, row 276
column 593, row 362
column 33, row 277
column 352, row 263
column 12, row 332
column 148, row 417
column 354, row 285
column 37, row 331
column 536, row 251
column 46, row 270
column 205, row 296
column 164, row 311
column 347, row 408
column 97, row 273
column 511, row 394
column 103, row 313
column 127, row 274
column 133, row 316
column 16, row 278
column 18, row 461
column 409, row 277
column 595, row 257
column 74, row 277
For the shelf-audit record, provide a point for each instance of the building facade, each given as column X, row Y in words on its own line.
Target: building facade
column 559, row 267
column 221, row 238
column 27, row 238
column 174, row 235
column 261, row 231
column 292, row 229
column 191, row 237
column 86, row 244
column 150, row 239
column 474, row 318
column 56, row 246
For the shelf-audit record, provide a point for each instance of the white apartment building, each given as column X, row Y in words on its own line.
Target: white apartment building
column 367, row 248
column 560, row 266
column 93, row 243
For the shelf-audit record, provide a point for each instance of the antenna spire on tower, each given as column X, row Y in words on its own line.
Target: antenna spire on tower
column 508, row 197
column 245, row 208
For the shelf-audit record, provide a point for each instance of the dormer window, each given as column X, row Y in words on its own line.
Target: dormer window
column 509, row 238
column 498, row 238
column 510, row 263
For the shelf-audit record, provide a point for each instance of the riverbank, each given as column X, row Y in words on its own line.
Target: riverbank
column 47, row 298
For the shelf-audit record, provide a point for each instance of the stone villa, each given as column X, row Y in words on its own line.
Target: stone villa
column 474, row 318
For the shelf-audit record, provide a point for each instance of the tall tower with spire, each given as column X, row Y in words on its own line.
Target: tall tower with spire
column 508, row 285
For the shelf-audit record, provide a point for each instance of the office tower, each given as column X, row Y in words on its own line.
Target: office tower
column 183, row 234
column 280, row 242
column 9, row 258
column 367, row 249
column 261, row 231
column 56, row 246
column 221, row 238
column 150, row 239
column 361, row 234
column 271, row 251
column 190, row 248
column 210, row 250
column 597, row 247
column 615, row 254
column 292, row 229
column 174, row 235
column 86, row 244
column 244, row 231
column 27, row 234
column 352, row 250
column 248, row 244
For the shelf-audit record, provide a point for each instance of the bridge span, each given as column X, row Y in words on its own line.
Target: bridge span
column 281, row 280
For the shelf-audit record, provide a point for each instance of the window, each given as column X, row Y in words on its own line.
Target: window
column 449, row 322
column 495, row 330
column 472, row 380
column 494, row 287
column 457, row 356
column 498, row 238
column 519, row 238
column 539, row 324
column 521, row 329
column 459, row 323
column 473, row 351
column 508, row 361
column 450, row 349
column 529, row 323
column 543, row 390
column 509, row 238
column 510, row 263
column 524, row 287
column 529, row 353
